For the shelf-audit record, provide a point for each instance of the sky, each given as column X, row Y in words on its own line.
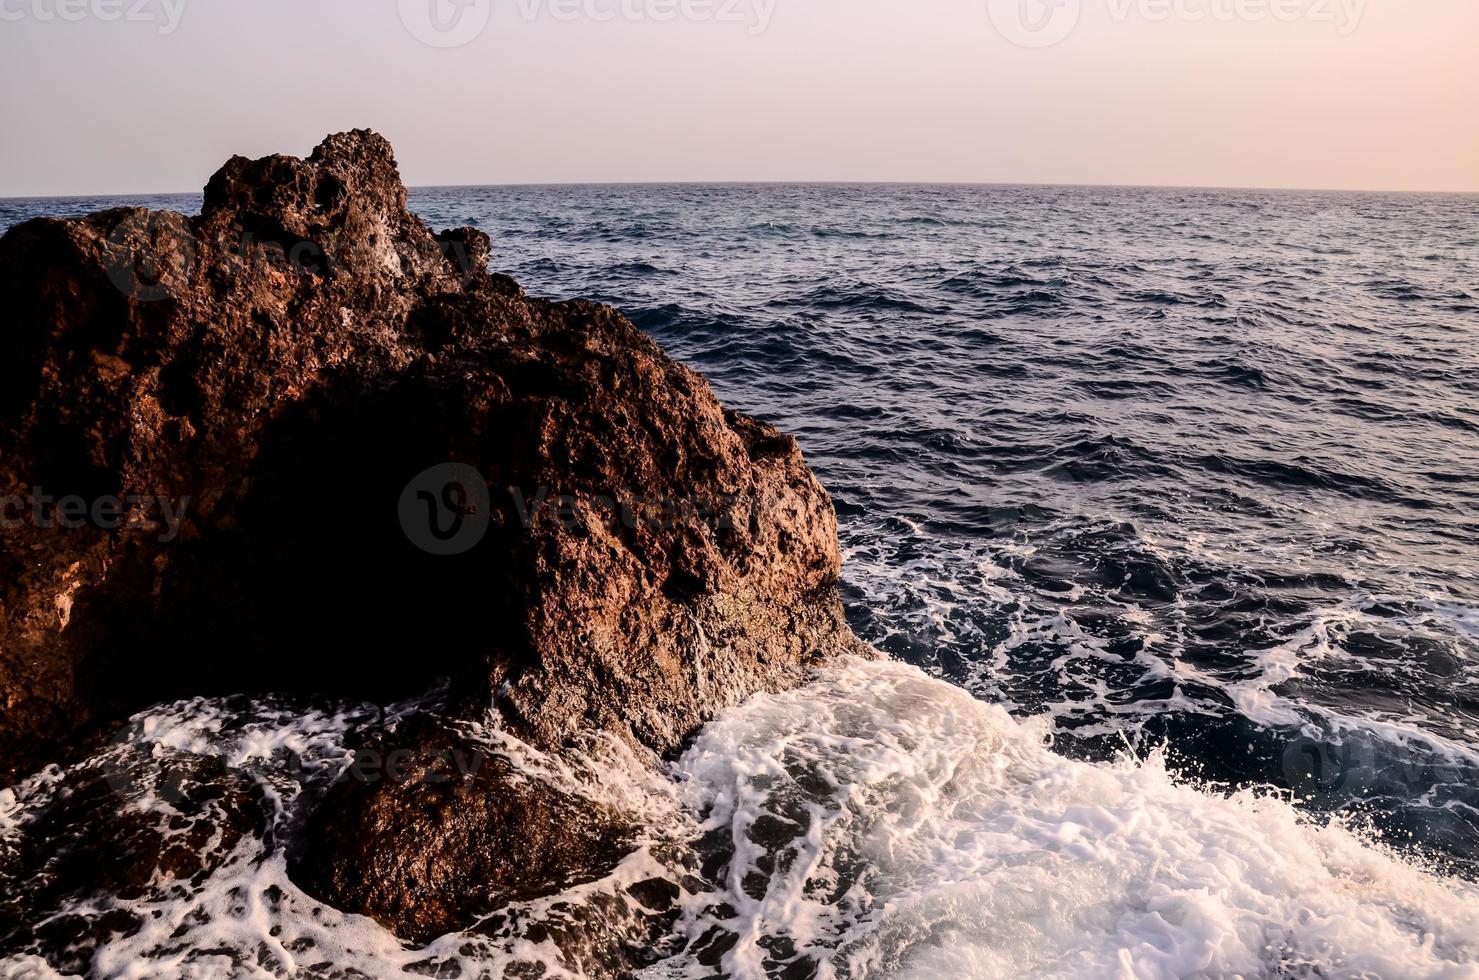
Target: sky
column 140, row 96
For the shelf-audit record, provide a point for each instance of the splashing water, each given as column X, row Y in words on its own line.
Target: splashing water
column 883, row 823
column 875, row 823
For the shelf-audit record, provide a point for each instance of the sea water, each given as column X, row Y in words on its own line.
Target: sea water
column 1163, row 504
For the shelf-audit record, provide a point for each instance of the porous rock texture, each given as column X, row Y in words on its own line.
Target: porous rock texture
column 282, row 371
column 498, row 835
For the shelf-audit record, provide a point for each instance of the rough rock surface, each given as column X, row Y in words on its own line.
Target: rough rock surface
column 485, row 833
column 264, row 388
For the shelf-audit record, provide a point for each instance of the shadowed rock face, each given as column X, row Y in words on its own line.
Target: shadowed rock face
column 264, row 389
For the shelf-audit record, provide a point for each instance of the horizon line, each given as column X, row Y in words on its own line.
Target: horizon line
column 740, row 182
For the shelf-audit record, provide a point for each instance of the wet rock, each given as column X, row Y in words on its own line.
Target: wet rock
column 299, row 443
column 428, row 831
column 124, row 827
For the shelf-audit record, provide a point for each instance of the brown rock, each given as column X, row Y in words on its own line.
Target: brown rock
column 427, row 831
column 272, row 392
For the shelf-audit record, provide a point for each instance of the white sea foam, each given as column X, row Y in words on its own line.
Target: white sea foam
column 876, row 823
column 1412, row 731
column 248, row 919
column 887, row 824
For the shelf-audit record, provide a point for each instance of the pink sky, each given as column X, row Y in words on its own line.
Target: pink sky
column 130, row 96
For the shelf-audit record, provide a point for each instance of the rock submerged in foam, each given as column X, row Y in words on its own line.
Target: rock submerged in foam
column 459, row 832
column 269, row 414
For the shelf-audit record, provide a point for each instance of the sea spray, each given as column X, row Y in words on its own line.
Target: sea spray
column 880, row 823
column 875, row 823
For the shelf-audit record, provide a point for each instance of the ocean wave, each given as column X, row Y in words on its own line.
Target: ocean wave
column 882, row 824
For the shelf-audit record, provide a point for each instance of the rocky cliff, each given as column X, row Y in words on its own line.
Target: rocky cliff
column 301, row 444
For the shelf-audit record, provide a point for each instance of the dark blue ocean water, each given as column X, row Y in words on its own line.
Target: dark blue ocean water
column 1184, row 468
